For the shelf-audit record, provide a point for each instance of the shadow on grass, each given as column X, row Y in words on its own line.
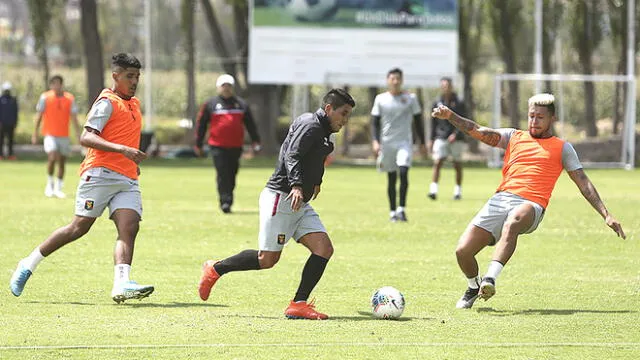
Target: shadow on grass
column 130, row 303
column 366, row 316
column 495, row 312
column 171, row 305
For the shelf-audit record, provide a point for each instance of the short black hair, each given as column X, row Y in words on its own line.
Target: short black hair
column 337, row 98
column 56, row 77
column 395, row 71
column 447, row 79
column 124, row 61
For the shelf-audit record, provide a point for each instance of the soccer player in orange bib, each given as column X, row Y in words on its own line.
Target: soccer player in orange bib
column 533, row 162
column 55, row 108
column 108, row 177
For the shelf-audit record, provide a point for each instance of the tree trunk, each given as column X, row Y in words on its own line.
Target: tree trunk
column 43, row 56
column 218, row 40
column 188, row 9
column 590, row 110
column 509, row 58
column 265, row 103
column 92, row 49
column 241, row 25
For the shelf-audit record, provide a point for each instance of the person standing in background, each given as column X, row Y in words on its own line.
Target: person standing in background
column 54, row 110
column 446, row 140
column 226, row 116
column 8, row 120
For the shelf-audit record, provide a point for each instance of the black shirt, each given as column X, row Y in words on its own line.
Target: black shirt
column 302, row 154
column 442, row 128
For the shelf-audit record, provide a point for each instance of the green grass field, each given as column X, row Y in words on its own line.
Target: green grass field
column 572, row 290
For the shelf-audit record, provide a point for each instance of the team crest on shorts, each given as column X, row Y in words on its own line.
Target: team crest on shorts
column 88, row 204
column 281, row 239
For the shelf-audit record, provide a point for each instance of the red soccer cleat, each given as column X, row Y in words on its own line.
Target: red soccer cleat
column 208, row 279
column 304, row 310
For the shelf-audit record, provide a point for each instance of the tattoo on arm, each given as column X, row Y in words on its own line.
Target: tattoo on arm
column 486, row 135
column 589, row 191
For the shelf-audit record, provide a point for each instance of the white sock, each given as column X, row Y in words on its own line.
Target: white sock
column 474, row 282
column 392, row 213
column 433, row 188
column 495, row 267
column 457, row 190
column 121, row 273
column 400, row 209
column 32, row 261
column 50, row 181
column 59, row 184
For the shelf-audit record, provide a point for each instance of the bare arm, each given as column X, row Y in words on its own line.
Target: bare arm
column 76, row 125
column 487, row 135
column 91, row 138
column 36, row 129
column 590, row 193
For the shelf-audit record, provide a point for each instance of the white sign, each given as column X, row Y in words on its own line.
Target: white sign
column 292, row 44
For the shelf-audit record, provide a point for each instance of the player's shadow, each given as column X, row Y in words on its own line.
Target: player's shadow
column 173, row 304
column 366, row 316
column 131, row 303
column 495, row 312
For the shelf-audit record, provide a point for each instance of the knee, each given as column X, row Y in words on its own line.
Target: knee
column 461, row 252
column 77, row 230
column 268, row 261
column 326, row 251
column 512, row 227
column 130, row 229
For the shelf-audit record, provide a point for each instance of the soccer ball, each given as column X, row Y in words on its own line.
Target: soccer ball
column 387, row 303
column 313, row 10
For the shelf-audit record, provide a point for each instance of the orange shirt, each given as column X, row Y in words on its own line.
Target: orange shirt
column 56, row 113
column 123, row 127
column 532, row 167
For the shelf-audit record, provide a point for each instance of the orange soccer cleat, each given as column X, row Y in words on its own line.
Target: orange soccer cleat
column 304, row 310
column 208, row 279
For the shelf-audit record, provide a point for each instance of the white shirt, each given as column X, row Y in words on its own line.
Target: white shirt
column 396, row 114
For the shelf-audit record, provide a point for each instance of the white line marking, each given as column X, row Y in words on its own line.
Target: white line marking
column 331, row 344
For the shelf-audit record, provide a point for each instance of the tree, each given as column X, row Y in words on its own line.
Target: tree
column 265, row 99
column 470, row 29
column 40, row 19
column 92, row 49
column 188, row 10
column 618, row 20
column 586, row 35
column 553, row 11
column 506, row 19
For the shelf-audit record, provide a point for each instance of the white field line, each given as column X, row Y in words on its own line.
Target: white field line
column 329, row 345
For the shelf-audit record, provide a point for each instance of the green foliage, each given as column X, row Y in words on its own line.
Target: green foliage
column 570, row 292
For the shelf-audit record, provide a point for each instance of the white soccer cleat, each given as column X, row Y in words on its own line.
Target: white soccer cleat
column 487, row 288
column 48, row 191
column 59, row 194
column 130, row 290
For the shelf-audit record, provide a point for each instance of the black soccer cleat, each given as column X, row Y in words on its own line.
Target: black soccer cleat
column 226, row 208
column 401, row 216
column 467, row 299
column 433, row 196
column 457, row 197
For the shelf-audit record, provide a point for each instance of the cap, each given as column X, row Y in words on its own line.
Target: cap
column 6, row 86
column 225, row 79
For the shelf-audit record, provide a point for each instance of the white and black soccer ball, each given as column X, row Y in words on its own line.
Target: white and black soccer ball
column 387, row 303
column 313, row 10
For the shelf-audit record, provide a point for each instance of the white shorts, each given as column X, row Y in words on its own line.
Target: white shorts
column 100, row 187
column 392, row 156
column 58, row 144
column 279, row 223
column 443, row 148
column 496, row 210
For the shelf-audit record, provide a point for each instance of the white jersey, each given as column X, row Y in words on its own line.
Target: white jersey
column 396, row 114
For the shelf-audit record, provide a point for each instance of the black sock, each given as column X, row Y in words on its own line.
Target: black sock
column 404, row 185
column 391, row 189
column 242, row 261
column 311, row 274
